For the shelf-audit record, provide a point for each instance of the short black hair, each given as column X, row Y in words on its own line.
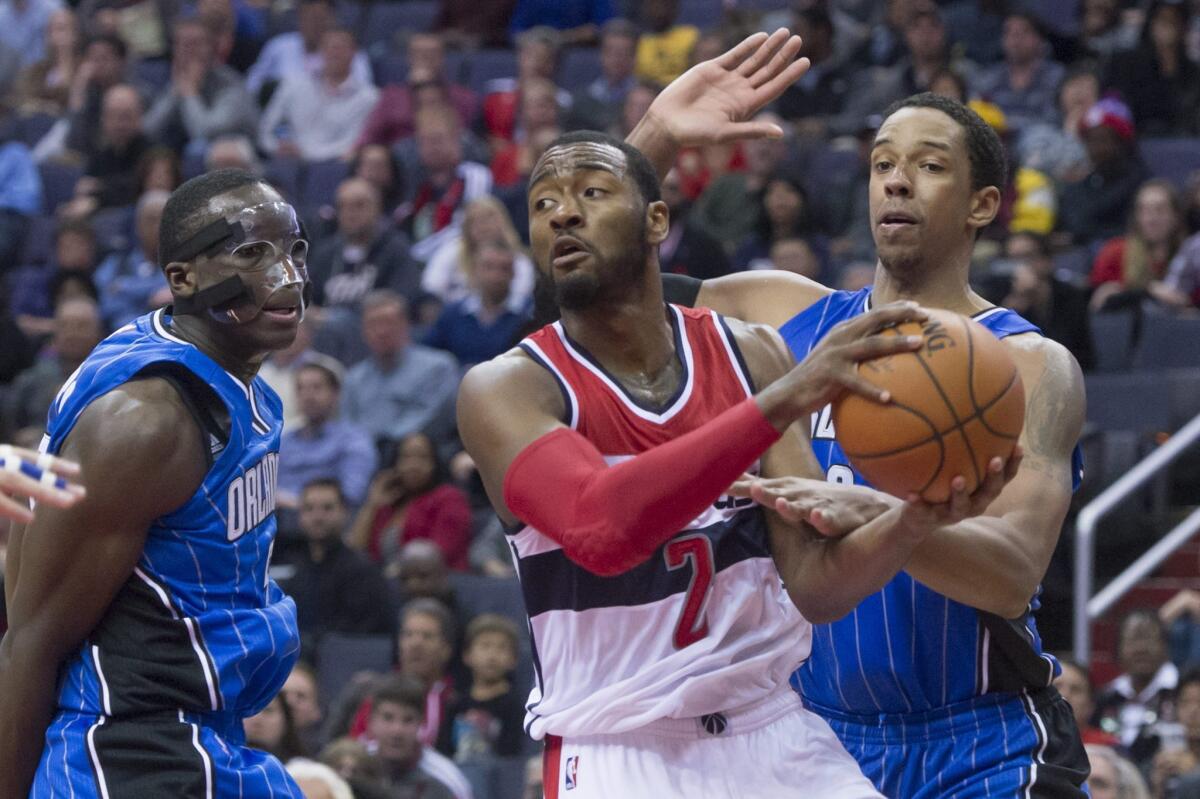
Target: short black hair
column 112, row 40
column 989, row 166
column 325, row 482
column 182, row 215
column 402, row 690
column 640, row 168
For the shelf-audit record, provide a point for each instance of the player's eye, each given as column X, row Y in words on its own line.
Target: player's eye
column 541, row 204
column 934, row 167
column 251, row 252
column 593, row 191
column 883, row 166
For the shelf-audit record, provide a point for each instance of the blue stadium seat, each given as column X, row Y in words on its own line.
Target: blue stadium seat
column 1060, row 16
column 486, row 65
column 1168, row 342
column 58, row 183
column 32, row 127
column 1136, row 401
column 1172, row 159
column 704, row 14
column 114, row 228
column 1183, row 387
column 321, row 179
column 284, row 175
column 341, row 656
column 154, row 74
column 409, row 15
column 1112, row 336
column 830, row 166
column 579, row 67
column 1077, row 261
column 389, row 68
column 193, row 165
column 39, row 240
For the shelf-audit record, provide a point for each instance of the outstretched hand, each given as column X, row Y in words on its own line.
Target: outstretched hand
column 833, row 509
column 713, row 101
column 38, row 476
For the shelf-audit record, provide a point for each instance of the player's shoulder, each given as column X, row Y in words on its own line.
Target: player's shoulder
column 1043, row 357
column 769, row 296
column 142, row 412
column 511, row 378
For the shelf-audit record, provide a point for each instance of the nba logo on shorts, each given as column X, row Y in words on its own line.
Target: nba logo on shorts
column 572, row 771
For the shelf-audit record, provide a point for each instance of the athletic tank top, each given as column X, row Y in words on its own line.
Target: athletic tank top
column 704, row 625
column 198, row 626
column 907, row 648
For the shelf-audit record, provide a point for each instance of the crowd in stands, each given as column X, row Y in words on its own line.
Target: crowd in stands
column 404, row 132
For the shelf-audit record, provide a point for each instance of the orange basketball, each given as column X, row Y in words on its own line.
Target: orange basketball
column 956, row 403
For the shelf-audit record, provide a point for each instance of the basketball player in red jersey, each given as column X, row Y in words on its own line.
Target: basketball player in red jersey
column 607, row 441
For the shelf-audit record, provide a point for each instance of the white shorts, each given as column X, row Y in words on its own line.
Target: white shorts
column 774, row 748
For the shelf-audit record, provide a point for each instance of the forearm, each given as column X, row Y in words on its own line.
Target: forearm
column 981, row 562
column 656, row 143
column 835, row 574
column 26, row 710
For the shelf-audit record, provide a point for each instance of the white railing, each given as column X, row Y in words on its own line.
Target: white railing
column 1087, row 607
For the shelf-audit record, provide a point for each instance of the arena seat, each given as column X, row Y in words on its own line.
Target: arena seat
column 1076, row 261
column 58, row 183
column 578, row 68
column 1168, row 342
column 1112, row 339
column 340, row 656
column 39, row 240
column 485, row 65
column 320, row 182
column 496, row 777
column 1134, row 401
column 154, row 73
column 411, row 15
column 284, row 175
column 32, row 127
column 704, row 14
column 1172, row 159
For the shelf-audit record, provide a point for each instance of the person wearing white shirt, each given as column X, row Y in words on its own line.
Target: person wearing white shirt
column 299, row 51
column 319, row 118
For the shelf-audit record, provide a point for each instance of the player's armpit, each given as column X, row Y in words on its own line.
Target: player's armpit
column 995, row 561
column 141, row 456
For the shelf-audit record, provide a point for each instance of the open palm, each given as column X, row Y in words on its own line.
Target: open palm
column 713, row 101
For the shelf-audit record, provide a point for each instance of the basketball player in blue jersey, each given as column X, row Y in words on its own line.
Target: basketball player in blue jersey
column 937, row 684
column 144, row 627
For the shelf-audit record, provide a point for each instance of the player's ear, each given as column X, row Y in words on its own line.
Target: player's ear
column 658, row 222
column 181, row 278
column 985, row 204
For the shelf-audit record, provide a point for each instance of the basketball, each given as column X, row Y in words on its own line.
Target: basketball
column 956, row 403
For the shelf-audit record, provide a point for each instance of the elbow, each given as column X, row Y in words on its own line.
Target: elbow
column 1011, row 601
column 819, row 608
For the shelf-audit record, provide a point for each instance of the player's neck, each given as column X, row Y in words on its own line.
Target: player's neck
column 628, row 336
column 227, row 354
column 947, row 289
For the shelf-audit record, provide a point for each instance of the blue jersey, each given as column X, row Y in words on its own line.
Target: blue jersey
column 907, row 648
column 198, row 628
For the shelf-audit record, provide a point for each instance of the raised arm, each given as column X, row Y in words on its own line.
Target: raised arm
column 142, row 450
column 509, row 415
column 714, row 101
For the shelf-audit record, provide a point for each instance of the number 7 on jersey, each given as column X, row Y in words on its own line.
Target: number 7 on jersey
column 697, row 551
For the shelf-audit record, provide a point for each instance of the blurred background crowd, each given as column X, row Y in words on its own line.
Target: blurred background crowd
column 404, row 132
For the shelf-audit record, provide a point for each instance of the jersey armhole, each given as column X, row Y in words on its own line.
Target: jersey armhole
column 206, row 408
column 681, row 289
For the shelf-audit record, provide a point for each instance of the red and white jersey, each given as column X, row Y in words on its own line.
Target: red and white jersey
column 705, row 624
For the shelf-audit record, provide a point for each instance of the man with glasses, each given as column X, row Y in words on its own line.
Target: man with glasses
column 143, row 626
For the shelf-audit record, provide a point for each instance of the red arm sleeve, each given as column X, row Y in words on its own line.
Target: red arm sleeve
column 610, row 519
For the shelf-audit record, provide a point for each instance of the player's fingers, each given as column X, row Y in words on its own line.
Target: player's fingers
column 788, row 511
column 14, row 510
column 740, row 51
column 42, row 486
column 959, row 505
column 864, row 388
column 885, row 316
column 877, row 346
column 777, row 63
column 741, row 488
column 1014, row 463
column 763, row 53
column 740, row 131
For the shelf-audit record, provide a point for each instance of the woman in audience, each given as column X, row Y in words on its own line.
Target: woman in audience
column 272, row 730
column 45, row 86
column 1113, row 777
column 1136, row 263
column 375, row 164
column 411, row 500
column 449, row 273
column 785, row 214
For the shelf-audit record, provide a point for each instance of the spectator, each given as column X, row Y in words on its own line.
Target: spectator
column 490, row 554
column 302, row 694
column 665, row 46
column 1157, row 80
column 319, row 117
column 539, row 114
column 537, row 57
column 272, row 730
column 792, row 254
column 237, row 31
column 323, row 446
column 397, row 714
column 483, row 324
column 1138, row 261
column 280, row 368
column 485, row 721
column 814, row 102
column 336, row 589
column 130, row 282
column 1133, row 703
column 232, row 152
column 110, row 175
column 1058, row 150
column 1056, row 305
column 104, row 66
column 20, row 198
column 470, row 24
column 1027, row 200
column 422, row 572
column 1075, row 684
column 74, row 253
column 365, row 253
column 77, row 330
column 730, row 208
column 885, row 45
column 433, row 213
column 1183, row 275
column 948, row 83
column 688, row 249
column 1181, row 615
column 159, row 169
column 1103, row 34
column 23, row 26
column 205, row 99
column 351, row 760
column 375, row 164
column 1098, row 206
column 598, row 104
column 1174, row 766
column 1113, row 777
column 318, row 781
column 298, row 52
column 410, row 501
column 144, row 24
column 1026, row 83
column 637, row 101
column 577, row 21
column 402, row 387
column 394, row 115
column 783, row 214
column 44, row 87
column 426, row 647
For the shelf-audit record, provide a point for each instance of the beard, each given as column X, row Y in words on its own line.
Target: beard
column 613, row 278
